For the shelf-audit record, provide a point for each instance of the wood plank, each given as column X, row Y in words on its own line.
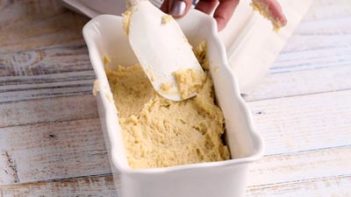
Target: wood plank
column 301, row 165
column 45, row 91
column 38, row 23
column 103, row 186
column 325, row 9
column 337, row 186
column 316, row 59
column 314, row 81
column 82, row 186
column 44, row 61
column 46, row 86
column 53, row 61
column 305, row 122
column 45, row 73
column 48, row 110
column 331, row 33
column 52, row 151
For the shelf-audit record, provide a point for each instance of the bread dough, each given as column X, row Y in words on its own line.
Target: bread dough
column 126, row 19
column 263, row 9
column 158, row 132
column 189, row 82
column 166, row 19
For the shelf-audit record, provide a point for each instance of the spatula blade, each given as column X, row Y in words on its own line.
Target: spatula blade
column 161, row 48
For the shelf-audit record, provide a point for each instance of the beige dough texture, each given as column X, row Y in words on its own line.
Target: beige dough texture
column 160, row 133
column 263, row 9
column 189, row 82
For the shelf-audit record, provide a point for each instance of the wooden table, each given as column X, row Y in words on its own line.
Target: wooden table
column 51, row 143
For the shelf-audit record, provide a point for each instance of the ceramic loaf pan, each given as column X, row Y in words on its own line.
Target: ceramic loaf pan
column 104, row 35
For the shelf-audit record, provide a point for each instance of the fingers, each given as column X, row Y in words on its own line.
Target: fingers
column 225, row 9
column 224, row 12
column 177, row 8
column 165, row 6
column 206, row 6
column 275, row 11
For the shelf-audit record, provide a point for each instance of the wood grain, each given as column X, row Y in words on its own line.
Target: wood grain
column 326, row 9
column 103, row 186
column 34, row 24
column 42, row 52
column 337, row 186
column 44, row 91
column 316, row 59
column 44, row 61
column 48, row 110
column 45, row 73
column 305, row 122
column 51, row 151
column 301, row 165
column 83, row 186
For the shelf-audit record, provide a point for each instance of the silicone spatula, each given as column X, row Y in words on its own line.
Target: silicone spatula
column 160, row 47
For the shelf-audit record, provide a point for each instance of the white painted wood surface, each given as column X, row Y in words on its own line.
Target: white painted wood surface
column 50, row 138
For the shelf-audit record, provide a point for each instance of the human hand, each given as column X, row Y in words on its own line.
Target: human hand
column 223, row 9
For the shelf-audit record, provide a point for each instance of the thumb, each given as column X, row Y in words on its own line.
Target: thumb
column 176, row 8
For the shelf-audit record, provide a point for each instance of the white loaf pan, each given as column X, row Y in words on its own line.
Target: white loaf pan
column 104, row 35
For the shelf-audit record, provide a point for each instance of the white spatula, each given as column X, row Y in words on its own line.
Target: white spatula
column 161, row 47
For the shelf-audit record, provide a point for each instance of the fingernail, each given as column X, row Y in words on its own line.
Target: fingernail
column 178, row 8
